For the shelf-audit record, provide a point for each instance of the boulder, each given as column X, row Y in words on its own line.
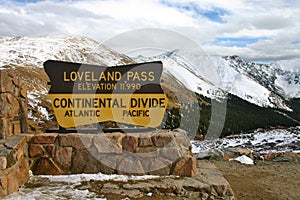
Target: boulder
column 47, row 138
column 129, row 143
column 185, row 167
column 35, row 150
column 46, row 166
column 63, row 156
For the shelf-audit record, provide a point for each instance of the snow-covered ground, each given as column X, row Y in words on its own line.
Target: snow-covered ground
column 64, row 186
column 263, row 142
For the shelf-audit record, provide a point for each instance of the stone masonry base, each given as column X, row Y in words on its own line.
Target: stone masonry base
column 157, row 153
column 161, row 152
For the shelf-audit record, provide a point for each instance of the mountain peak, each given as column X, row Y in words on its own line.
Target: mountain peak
column 34, row 51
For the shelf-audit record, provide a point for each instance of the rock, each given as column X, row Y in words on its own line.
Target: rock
column 6, row 83
column 185, row 167
column 170, row 153
column 229, row 192
column 145, row 161
column 116, row 138
column 282, row 159
column 50, row 149
column 14, row 108
column 270, row 156
column 130, row 194
column 216, row 155
column 203, row 156
column 162, row 139
column 3, row 128
column 15, row 142
column 145, row 141
column 84, row 162
column 23, row 171
column 104, row 145
column 148, row 151
column 24, row 91
column 199, row 137
column 160, row 167
column 47, row 138
column 11, row 159
column 13, row 182
column 130, row 166
column 108, row 166
column 9, row 98
column 16, row 92
column 166, row 186
column 46, row 166
column 16, row 128
column 3, row 163
column 24, row 116
column 204, row 196
column 13, row 73
column 230, row 153
column 16, row 80
column 35, row 150
column 4, row 181
column 110, row 186
column 79, row 142
column 196, row 185
column 63, row 156
column 20, row 152
column 245, row 151
column 182, row 138
column 129, row 143
column 142, row 186
column 220, row 189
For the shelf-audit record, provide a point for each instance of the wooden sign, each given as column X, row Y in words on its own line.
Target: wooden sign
column 84, row 94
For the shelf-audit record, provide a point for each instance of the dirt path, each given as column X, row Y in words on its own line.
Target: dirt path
column 263, row 181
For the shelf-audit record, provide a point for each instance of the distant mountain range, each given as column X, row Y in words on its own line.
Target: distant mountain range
column 258, row 95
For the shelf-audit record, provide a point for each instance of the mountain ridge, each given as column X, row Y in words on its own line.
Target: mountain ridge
column 266, row 86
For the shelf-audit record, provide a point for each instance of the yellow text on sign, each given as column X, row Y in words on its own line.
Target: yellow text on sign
column 80, row 109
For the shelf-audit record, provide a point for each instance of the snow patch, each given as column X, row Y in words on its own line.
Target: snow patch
column 243, row 160
column 77, row 178
column 64, row 186
column 263, row 142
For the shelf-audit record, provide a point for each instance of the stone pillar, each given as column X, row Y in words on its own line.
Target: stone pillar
column 13, row 104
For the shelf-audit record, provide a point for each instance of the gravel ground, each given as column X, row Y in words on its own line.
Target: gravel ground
column 266, row 180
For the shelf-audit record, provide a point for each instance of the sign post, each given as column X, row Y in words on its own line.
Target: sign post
column 84, row 94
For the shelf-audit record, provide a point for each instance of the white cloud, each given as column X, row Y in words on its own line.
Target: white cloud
column 278, row 21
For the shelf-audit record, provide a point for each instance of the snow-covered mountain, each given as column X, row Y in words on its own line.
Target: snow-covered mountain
column 34, row 51
column 265, row 85
column 175, row 65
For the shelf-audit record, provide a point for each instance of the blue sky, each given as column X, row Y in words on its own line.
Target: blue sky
column 214, row 13
column 258, row 30
column 236, row 41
